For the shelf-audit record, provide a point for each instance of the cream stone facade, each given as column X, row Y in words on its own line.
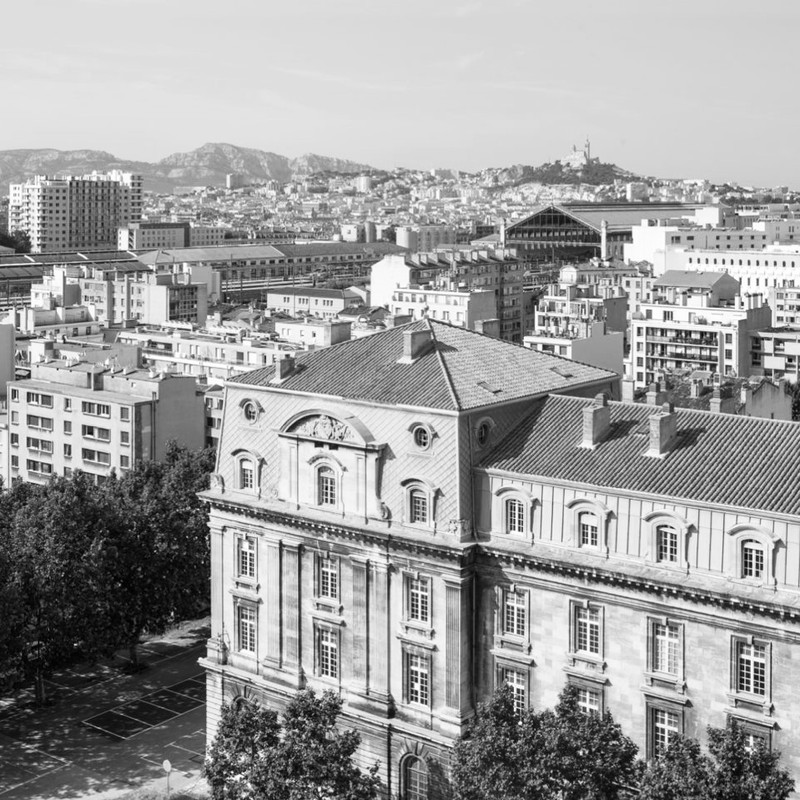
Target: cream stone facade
column 413, row 518
column 342, row 518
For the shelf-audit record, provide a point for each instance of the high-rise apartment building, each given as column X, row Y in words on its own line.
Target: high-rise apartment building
column 81, row 213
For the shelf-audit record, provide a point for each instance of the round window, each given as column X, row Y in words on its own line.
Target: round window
column 421, row 437
column 250, row 412
column 484, row 429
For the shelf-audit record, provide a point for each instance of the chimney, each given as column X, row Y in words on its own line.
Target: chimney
column 284, row 367
column 744, row 393
column 596, row 421
column 415, row 344
column 715, row 403
column 663, row 427
column 655, row 394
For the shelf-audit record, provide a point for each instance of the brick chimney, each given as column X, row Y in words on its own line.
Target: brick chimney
column 655, row 394
column 284, row 367
column 596, row 421
column 663, row 428
column 715, row 403
column 415, row 345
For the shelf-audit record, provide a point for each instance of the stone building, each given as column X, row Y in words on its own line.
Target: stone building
column 412, row 518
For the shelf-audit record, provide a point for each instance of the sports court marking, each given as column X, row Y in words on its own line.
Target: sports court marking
column 136, row 716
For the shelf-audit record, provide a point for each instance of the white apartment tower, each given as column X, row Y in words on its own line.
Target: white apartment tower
column 75, row 213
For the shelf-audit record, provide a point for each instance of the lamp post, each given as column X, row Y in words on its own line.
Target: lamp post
column 167, row 768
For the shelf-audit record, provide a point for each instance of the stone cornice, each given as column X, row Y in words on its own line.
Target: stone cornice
column 652, row 586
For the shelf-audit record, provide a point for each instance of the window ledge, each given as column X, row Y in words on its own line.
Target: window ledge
column 751, row 702
column 590, row 661
column 666, row 681
column 329, row 604
column 420, row 628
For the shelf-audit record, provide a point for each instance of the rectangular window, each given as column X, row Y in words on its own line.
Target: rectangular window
column 587, row 630
column 751, row 668
column 419, row 506
column 665, row 726
column 417, row 679
column 93, row 432
column 95, row 456
column 418, row 599
column 124, row 462
column 39, row 423
column 589, row 700
column 246, row 480
column 67, row 404
column 515, row 613
column 96, row 409
column 39, row 399
column 328, row 653
column 329, row 578
column 124, row 438
column 246, row 628
column 124, row 413
column 518, row 681
column 39, row 466
column 666, row 648
column 326, row 486
column 67, row 426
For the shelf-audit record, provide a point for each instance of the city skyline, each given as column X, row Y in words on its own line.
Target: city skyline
column 660, row 91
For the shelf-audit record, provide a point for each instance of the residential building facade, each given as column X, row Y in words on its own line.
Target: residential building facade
column 81, row 213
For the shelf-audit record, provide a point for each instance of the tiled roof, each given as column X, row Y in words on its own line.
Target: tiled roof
column 463, row 370
column 747, row 462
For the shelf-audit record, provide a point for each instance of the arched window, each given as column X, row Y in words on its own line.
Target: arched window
column 667, row 548
column 588, row 530
column 326, row 486
column 753, row 559
column 246, row 474
column 514, row 516
column 415, row 779
column 418, row 506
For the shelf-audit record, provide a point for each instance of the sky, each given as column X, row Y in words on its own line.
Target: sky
column 686, row 88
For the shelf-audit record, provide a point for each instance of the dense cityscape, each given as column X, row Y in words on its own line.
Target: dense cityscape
column 322, row 476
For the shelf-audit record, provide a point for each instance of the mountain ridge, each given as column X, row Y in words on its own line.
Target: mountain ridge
column 211, row 162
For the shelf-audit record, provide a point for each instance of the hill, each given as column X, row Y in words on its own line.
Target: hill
column 207, row 165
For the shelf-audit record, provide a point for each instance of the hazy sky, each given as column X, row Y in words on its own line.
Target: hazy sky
column 689, row 88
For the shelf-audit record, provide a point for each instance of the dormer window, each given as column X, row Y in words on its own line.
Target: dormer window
column 753, row 560
column 589, row 530
column 250, row 412
column 514, row 515
column 666, row 544
column 418, row 506
column 246, row 474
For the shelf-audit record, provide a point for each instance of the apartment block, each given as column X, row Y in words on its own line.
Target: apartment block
column 73, row 415
column 80, row 213
column 152, row 235
column 695, row 321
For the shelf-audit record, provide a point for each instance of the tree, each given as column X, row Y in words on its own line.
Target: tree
column 253, row 756
column 563, row 754
column 155, row 562
column 485, row 762
column 679, row 772
column 53, row 536
column 742, row 773
column 19, row 240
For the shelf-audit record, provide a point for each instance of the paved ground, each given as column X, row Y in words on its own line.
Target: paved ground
column 107, row 734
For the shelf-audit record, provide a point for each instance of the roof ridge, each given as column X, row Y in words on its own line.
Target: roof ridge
column 448, row 378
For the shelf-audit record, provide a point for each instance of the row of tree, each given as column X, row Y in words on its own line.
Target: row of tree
column 566, row 754
column 86, row 569
column 558, row 754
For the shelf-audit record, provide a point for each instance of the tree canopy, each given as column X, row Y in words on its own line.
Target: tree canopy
column 87, row 568
column 255, row 755
column 560, row 754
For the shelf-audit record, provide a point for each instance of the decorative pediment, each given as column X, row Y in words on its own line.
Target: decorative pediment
column 321, row 426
